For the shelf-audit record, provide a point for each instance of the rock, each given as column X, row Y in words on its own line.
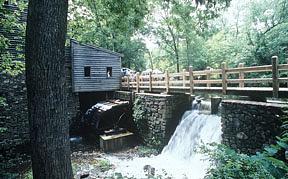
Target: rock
column 241, row 135
column 149, row 169
column 84, row 175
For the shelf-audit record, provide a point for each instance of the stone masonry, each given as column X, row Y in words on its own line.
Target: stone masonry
column 248, row 126
column 13, row 118
column 157, row 115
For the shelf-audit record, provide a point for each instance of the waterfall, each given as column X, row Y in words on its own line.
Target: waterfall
column 194, row 130
column 179, row 158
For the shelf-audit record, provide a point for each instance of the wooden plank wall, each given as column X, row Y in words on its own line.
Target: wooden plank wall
column 98, row 60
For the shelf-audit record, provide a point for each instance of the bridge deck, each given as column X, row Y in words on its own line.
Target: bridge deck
column 246, row 91
column 272, row 80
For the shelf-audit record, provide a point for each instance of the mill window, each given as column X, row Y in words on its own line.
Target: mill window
column 109, row 72
column 87, row 71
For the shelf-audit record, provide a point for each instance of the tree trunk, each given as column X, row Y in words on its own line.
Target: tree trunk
column 45, row 79
column 175, row 48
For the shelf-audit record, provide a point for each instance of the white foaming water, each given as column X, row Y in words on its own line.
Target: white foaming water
column 178, row 159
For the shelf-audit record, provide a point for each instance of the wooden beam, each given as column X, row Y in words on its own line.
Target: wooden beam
column 275, row 76
column 167, row 81
column 208, row 75
column 191, row 80
column 183, row 77
column 150, row 81
column 250, row 69
column 241, row 76
column 137, row 82
column 224, row 78
column 128, row 82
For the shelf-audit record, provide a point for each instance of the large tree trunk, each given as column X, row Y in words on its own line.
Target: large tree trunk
column 45, row 78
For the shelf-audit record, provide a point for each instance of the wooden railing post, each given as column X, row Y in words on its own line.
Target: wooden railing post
column 275, row 76
column 191, row 80
column 241, row 76
column 128, row 82
column 208, row 75
column 167, row 81
column 137, row 82
column 224, row 78
column 150, row 81
column 183, row 77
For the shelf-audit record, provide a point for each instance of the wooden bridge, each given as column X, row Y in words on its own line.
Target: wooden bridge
column 234, row 81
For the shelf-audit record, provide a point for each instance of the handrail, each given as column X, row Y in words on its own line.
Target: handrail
column 189, row 80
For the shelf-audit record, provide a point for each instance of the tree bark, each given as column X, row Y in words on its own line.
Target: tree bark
column 45, row 79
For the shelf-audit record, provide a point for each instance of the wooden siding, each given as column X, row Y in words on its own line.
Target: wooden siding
column 98, row 59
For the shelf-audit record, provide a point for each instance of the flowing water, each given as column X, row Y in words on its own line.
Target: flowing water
column 179, row 158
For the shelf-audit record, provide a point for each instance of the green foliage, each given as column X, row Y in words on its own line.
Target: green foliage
column 3, row 129
column 3, row 102
column 104, row 165
column 229, row 164
column 139, row 116
column 2, row 105
column 267, row 25
column 110, row 24
column 274, row 157
column 157, row 144
column 145, row 151
column 182, row 30
column 28, row 174
column 10, row 24
column 202, row 35
column 10, row 66
column 119, row 176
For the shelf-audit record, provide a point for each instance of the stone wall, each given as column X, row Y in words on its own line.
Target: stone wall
column 13, row 118
column 157, row 115
column 73, row 104
column 248, row 126
column 14, row 123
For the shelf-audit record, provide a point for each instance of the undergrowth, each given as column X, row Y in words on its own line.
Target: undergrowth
column 270, row 163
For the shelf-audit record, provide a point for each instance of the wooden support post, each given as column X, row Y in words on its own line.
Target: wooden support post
column 184, row 77
column 167, row 81
column 191, row 80
column 275, row 76
column 150, row 81
column 128, row 82
column 224, row 78
column 241, row 76
column 137, row 82
column 208, row 75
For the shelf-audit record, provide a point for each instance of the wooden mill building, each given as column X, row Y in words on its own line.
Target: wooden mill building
column 92, row 74
column 94, row 69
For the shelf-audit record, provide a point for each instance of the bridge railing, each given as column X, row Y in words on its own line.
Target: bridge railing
column 213, row 79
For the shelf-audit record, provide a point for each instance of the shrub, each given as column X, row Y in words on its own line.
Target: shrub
column 230, row 164
column 270, row 163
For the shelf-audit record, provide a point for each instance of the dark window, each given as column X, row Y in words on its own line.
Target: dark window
column 109, row 71
column 87, row 71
